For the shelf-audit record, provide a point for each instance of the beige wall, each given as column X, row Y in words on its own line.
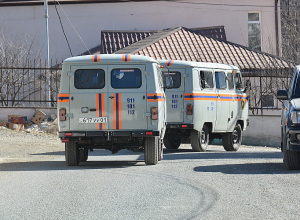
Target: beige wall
column 90, row 19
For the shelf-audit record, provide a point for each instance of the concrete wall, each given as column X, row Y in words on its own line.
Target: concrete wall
column 263, row 130
column 90, row 19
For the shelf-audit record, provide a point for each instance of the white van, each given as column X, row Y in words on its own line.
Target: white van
column 111, row 102
column 205, row 101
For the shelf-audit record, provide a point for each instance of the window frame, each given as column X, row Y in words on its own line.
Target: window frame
column 141, row 77
column 216, row 83
column 168, row 72
column 89, row 70
column 200, row 79
column 255, row 22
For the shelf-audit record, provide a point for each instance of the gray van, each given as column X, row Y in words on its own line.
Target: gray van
column 111, row 102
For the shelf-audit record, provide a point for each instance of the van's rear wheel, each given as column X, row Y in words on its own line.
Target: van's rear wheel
column 172, row 143
column 151, row 150
column 291, row 159
column 83, row 155
column 199, row 140
column 72, row 152
column 160, row 150
column 232, row 140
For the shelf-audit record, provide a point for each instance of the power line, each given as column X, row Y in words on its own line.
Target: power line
column 73, row 27
column 63, row 29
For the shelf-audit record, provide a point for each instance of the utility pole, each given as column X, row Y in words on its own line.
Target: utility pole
column 47, row 55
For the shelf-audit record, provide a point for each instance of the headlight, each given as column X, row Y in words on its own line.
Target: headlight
column 295, row 117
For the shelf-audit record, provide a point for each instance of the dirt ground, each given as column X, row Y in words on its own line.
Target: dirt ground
column 23, row 146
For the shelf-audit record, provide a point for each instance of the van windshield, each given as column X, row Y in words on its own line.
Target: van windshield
column 296, row 88
column 126, row 78
column 89, row 79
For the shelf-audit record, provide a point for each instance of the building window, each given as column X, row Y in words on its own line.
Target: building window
column 268, row 101
column 254, row 31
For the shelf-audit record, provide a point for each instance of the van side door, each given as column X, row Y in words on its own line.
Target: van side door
column 223, row 99
column 127, row 97
column 175, row 94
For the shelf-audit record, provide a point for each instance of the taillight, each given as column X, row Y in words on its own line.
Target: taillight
column 189, row 109
column 154, row 113
column 65, row 140
column 62, row 114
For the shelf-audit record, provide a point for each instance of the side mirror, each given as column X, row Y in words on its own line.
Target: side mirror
column 282, row 94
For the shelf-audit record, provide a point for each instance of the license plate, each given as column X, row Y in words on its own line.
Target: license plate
column 93, row 120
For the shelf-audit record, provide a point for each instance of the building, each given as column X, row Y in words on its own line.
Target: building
column 75, row 26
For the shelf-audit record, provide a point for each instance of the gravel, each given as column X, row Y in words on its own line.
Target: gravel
column 23, row 146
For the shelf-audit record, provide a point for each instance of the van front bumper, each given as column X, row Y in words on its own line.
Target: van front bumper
column 294, row 136
column 143, row 133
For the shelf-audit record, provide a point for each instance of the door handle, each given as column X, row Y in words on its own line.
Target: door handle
column 92, row 109
column 111, row 97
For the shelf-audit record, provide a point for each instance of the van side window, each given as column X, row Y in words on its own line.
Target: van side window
column 238, row 82
column 176, row 77
column 220, row 80
column 230, row 81
column 206, row 80
column 89, row 79
column 126, row 78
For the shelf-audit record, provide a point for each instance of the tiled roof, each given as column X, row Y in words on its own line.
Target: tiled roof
column 112, row 41
column 187, row 44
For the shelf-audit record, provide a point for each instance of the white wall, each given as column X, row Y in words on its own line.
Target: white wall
column 263, row 130
column 90, row 19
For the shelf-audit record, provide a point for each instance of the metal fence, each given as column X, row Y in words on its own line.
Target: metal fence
column 30, row 86
column 264, row 85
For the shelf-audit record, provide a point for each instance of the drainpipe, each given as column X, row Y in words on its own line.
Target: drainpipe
column 276, row 28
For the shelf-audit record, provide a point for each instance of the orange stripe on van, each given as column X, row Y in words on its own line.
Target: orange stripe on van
column 63, row 98
column 120, row 110
column 96, row 58
column 114, row 111
column 97, row 109
column 126, row 58
column 103, row 109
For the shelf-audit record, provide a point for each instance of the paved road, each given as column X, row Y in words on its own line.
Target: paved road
column 251, row 183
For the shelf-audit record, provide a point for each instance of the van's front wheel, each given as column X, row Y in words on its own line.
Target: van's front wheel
column 199, row 140
column 151, row 150
column 72, row 152
column 291, row 159
column 232, row 140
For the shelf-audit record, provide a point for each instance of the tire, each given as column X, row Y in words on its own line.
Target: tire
column 171, row 144
column 232, row 140
column 72, row 153
column 83, row 155
column 200, row 140
column 151, row 150
column 160, row 150
column 291, row 159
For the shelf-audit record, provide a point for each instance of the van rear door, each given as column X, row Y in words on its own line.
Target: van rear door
column 175, row 95
column 88, row 90
column 127, row 97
